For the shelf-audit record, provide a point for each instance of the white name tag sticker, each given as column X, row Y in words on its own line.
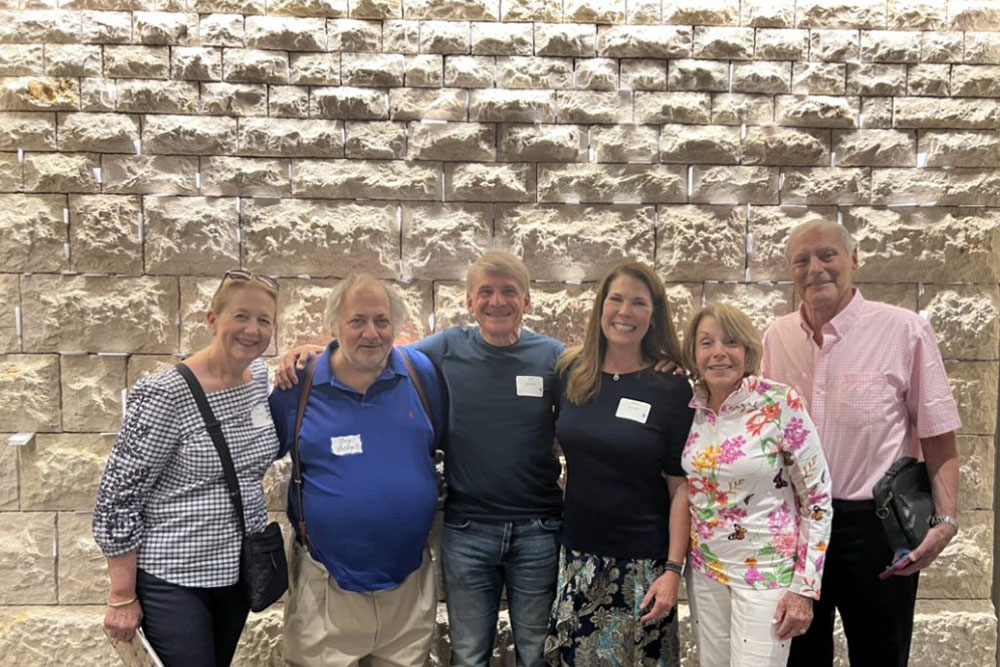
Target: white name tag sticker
column 530, row 385
column 637, row 411
column 345, row 445
column 260, row 416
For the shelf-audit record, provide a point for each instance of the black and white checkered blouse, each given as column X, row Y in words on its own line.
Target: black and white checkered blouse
column 163, row 493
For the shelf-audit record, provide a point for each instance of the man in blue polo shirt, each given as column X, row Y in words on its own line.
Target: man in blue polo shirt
column 361, row 580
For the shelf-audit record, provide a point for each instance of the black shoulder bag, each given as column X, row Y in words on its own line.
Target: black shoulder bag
column 263, row 569
column 904, row 503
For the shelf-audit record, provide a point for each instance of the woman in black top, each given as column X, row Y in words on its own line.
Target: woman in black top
column 622, row 427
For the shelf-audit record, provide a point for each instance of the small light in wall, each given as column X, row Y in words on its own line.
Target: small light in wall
column 138, row 147
column 749, row 212
column 140, row 225
column 66, row 216
column 781, row 180
column 571, row 201
column 833, row 158
column 690, row 180
column 177, row 320
column 17, row 320
column 746, row 276
column 840, row 217
column 20, row 156
column 730, row 76
column 399, row 216
column 304, row 276
column 97, row 174
column 743, row 131
column 921, row 160
column 238, row 205
column 861, row 120
column 239, row 235
column 66, row 251
column 124, row 402
column 430, row 322
column 925, row 314
column 20, row 439
column 433, row 121
column 749, row 245
column 197, row 179
column 573, row 281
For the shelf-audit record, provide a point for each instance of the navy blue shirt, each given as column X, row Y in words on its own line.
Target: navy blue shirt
column 369, row 488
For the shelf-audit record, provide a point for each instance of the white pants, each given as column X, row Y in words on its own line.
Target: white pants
column 733, row 626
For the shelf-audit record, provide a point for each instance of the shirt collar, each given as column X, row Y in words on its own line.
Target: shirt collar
column 324, row 371
column 842, row 321
column 748, row 386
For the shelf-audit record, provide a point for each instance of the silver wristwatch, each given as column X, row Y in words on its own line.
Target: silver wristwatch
column 938, row 519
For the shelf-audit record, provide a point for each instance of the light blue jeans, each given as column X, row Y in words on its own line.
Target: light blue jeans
column 479, row 560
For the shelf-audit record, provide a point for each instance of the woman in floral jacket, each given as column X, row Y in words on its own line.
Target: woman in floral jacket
column 759, row 495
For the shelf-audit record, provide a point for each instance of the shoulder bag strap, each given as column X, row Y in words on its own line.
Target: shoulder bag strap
column 296, row 455
column 215, row 430
column 417, row 384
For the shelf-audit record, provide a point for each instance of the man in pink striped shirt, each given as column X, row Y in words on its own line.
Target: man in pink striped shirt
column 876, row 388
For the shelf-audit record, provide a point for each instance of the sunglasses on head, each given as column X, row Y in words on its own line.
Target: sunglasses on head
column 246, row 276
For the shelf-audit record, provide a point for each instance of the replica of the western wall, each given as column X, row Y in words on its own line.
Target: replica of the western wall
column 146, row 146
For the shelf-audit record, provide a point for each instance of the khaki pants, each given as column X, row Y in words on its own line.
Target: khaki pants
column 326, row 626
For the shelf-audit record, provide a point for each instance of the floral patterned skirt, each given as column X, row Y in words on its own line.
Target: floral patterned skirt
column 595, row 616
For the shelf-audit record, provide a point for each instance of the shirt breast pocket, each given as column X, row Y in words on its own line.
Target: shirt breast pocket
column 861, row 396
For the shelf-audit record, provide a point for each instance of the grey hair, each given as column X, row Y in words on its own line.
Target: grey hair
column 850, row 245
column 397, row 307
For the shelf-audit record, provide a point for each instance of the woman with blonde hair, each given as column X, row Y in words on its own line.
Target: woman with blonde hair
column 759, row 495
column 622, row 426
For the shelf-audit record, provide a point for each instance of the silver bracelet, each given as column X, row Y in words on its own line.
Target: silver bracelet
column 938, row 519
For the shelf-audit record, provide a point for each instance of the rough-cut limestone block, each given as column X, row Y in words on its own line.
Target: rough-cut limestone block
column 819, row 78
column 903, row 295
column 92, row 392
column 816, row 111
column 301, row 314
column 890, row 46
column 165, row 28
column 951, row 114
column 440, row 241
column 481, row 10
column 448, row 37
column 976, row 455
column 592, row 106
column 424, row 71
column 149, row 174
column 62, row 471
column 254, row 66
column 963, row 570
column 320, row 8
column 234, row 99
column 624, row 143
column 82, row 569
column 976, row 187
column 321, row 69
column 916, row 14
column 104, row 233
column 966, row 319
column 692, row 144
column 205, row 6
column 575, row 242
column 699, row 242
column 738, row 185
column 200, row 63
column 106, row 27
column 377, row 140
column 774, row 44
column 594, row 11
column 61, row 172
column 8, row 343
column 534, row 72
column 37, row 93
column 196, row 295
column 682, row 300
column 565, row 39
column 29, row 389
column 697, row 12
column 689, row 108
column 507, row 182
column 942, row 47
column 153, row 96
column 359, row 36
column 276, row 481
column 291, row 138
column 975, row 81
column 872, row 79
column 296, row 236
column 103, row 133
column 643, row 74
column 446, row 104
column 769, row 226
column 32, row 233
column 520, row 106
column 27, row 131
column 37, row 26
column 767, row 14
column 536, row 143
column 72, row 60
column 763, row 303
column 369, row 70
column 937, row 245
column 184, row 134
column 876, row 112
column 739, row 109
column 532, row 10
column 826, row 185
column 839, row 14
column 470, row 71
column 973, row 15
column 56, row 635
column 285, row 33
column 99, row 313
column 723, row 42
column 288, row 101
column 221, row 30
column 644, row 41
column 191, row 235
column 451, row 141
column 974, row 385
column 762, row 77
column 611, row 183
column 596, row 74
column 8, row 476
column 349, row 179
column 701, row 75
column 960, row 149
column 834, row 45
column 360, row 103
column 10, row 173
column 128, row 61
column 141, row 365
column 786, row 146
column 28, row 573
column 969, row 625
column 249, row 177
column 502, row 39
column 982, row 48
column 874, row 148
column 929, row 79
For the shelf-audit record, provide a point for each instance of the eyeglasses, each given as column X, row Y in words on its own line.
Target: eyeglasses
column 246, row 276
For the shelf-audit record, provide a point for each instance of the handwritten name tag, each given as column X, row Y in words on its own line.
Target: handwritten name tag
column 346, row 444
column 637, row 411
column 260, row 416
column 530, row 385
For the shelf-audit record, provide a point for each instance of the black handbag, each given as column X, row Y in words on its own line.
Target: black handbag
column 904, row 503
column 263, row 568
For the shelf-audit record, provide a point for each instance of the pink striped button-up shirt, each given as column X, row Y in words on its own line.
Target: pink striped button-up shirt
column 875, row 387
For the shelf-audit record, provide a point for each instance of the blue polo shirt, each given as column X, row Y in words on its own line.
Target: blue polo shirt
column 369, row 488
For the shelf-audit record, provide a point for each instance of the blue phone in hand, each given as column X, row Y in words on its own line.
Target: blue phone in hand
column 899, row 561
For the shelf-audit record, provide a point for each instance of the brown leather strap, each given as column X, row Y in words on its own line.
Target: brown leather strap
column 417, row 384
column 296, row 455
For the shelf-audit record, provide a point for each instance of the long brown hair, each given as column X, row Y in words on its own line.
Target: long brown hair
column 584, row 361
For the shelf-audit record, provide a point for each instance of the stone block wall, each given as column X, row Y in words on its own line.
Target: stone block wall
column 148, row 145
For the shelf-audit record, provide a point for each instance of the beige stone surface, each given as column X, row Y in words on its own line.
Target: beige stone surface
column 8, row 320
column 537, row 142
column 834, row 45
column 942, row 47
column 698, row 75
column 762, row 302
column 301, row 315
column 964, row 569
column 699, row 242
column 149, row 174
column 942, row 186
column 470, row 71
column 195, row 62
column 27, row 131
column 11, row 179
column 154, row 96
column 187, row 135
column 786, row 146
column 254, row 66
column 291, row 137
column 672, row 107
column 21, row 59
column 902, row 295
column 222, row 29
column 723, row 42
column 974, row 81
column 257, row 177
column 779, row 44
column 982, row 48
column 918, row 15
column 825, row 185
column 29, row 387
column 99, row 313
column 974, row 386
column 285, row 33
column 521, row 106
column 505, row 39
column 727, row 185
column 591, row 106
column 35, row 93
column 701, row 12
column 104, row 233
column 565, row 39
column 531, row 10
column 642, row 41
column 82, row 568
column 928, row 112
column 375, row 140
column 438, row 104
column 976, row 456
column 972, row 15
column 347, row 102
column 444, row 37
column 103, row 133
column 506, row 182
column 966, row 319
column 839, row 14
column 875, row 148
column 440, row 241
column 451, row 141
column 534, row 72
column 27, row 554
column 740, row 109
column 643, row 74
column 594, row 11
column 816, row 111
column 141, row 365
column 106, row 27
column 72, row 60
column 425, row 70
column 762, row 77
column 62, row 471
column 960, row 149
column 136, row 62
column 692, row 144
column 876, row 79
column 290, row 101
column 890, row 46
column 360, row 36
column 625, row 143
column 929, row 79
column 769, row 226
column 596, row 74
column 8, row 477
column 196, row 295
column 370, row 70
column 608, row 183
column 190, row 235
column 234, row 99
column 32, row 233
column 343, row 179
column 321, row 69
column 92, row 388
column 62, row 172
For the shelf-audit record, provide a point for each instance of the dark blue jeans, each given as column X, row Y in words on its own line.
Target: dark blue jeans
column 479, row 560
column 191, row 627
